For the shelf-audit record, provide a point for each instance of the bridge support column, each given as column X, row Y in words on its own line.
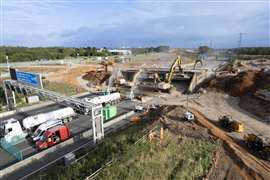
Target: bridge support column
column 10, row 98
column 97, row 123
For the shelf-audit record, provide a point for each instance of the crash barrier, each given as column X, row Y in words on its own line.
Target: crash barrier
column 10, row 148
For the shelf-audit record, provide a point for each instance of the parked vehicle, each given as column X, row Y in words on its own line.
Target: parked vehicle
column 105, row 99
column 53, row 136
column 44, row 127
column 259, row 144
column 188, row 116
column 33, row 121
column 228, row 123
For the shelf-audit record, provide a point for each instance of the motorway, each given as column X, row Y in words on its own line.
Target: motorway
column 78, row 125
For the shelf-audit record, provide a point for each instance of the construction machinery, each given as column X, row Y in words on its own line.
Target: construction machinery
column 166, row 85
column 258, row 144
column 227, row 122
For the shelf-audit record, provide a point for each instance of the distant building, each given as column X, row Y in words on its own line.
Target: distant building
column 125, row 52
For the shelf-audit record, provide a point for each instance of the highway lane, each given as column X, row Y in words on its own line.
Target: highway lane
column 26, row 171
column 22, row 115
column 77, row 125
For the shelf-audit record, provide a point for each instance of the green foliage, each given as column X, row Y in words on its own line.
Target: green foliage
column 16, row 54
column 252, row 51
column 204, row 49
column 114, row 146
column 150, row 50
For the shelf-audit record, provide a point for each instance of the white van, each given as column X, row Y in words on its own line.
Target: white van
column 43, row 127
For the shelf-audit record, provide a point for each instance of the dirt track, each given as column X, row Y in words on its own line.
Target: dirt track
column 253, row 167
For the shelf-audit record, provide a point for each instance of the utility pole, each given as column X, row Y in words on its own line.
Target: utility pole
column 240, row 40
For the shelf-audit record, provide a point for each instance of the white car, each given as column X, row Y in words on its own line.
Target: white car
column 188, row 116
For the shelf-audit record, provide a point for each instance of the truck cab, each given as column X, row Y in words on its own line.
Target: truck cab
column 53, row 136
column 11, row 131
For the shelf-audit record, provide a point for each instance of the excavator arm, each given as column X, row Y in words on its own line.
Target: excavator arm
column 177, row 63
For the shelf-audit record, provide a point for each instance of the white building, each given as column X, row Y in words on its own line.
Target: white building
column 125, row 52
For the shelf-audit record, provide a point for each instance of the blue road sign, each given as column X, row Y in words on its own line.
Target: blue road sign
column 31, row 79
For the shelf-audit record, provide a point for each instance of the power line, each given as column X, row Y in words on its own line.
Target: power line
column 240, row 40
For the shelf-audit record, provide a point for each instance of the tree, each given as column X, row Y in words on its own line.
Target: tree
column 204, row 50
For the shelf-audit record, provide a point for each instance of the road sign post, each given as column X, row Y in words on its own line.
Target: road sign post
column 10, row 98
column 97, row 123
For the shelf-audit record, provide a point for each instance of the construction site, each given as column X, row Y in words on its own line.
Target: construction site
column 191, row 118
column 134, row 90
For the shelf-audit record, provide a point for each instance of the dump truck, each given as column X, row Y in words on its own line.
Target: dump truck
column 260, row 145
column 53, row 136
column 231, row 125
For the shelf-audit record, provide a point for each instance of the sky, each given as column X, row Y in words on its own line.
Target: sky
column 135, row 23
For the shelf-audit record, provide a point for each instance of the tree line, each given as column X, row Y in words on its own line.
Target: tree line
column 252, row 51
column 150, row 50
column 16, row 54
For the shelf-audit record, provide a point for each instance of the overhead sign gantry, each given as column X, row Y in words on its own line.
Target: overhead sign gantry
column 29, row 84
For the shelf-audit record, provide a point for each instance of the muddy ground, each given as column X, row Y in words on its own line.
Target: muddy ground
column 226, row 163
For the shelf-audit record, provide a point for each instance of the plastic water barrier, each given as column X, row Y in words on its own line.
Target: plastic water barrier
column 10, row 148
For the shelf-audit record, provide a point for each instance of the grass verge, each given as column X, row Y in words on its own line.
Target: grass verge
column 62, row 88
column 171, row 158
column 175, row 157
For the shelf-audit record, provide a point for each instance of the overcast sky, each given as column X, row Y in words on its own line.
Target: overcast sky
column 134, row 23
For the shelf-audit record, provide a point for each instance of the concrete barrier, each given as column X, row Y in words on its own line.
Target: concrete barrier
column 7, row 113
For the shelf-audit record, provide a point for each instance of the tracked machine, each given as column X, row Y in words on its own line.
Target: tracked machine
column 231, row 125
column 260, row 145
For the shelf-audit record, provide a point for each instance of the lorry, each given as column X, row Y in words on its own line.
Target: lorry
column 31, row 122
column 11, row 131
column 45, row 126
column 105, row 99
column 53, row 136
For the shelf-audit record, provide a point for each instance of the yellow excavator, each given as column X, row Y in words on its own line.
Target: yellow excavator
column 229, row 124
column 166, row 85
column 260, row 145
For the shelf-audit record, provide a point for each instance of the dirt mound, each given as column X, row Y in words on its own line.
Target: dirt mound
column 241, row 84
column 96, row 77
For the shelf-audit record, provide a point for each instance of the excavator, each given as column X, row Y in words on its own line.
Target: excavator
column 227, row 122
column 166, row 85
column 260, row 145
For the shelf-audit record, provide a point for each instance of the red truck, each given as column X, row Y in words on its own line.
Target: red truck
column 53, row 136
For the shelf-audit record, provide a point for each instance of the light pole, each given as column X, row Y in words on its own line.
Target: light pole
column 7, row 63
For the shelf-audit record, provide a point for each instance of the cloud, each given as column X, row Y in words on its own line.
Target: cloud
column 135, row 23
